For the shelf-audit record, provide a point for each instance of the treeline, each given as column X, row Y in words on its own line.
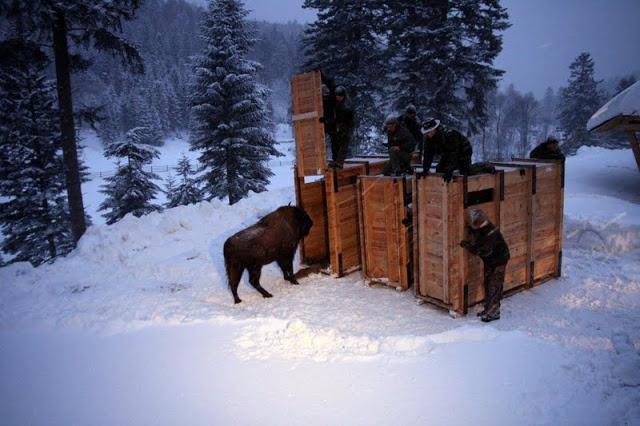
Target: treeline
column 439, row 56
column 166, row 33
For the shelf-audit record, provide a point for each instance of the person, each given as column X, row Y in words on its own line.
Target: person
column 344, row 121
column 410, row 120
column 328, row 111
column 548, row 150
column 454, row 149
column 401, row 144
column 488, row 243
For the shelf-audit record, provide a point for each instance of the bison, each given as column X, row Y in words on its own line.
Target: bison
column 274, row 238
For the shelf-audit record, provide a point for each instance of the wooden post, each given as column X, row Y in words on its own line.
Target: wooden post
column 635, row 146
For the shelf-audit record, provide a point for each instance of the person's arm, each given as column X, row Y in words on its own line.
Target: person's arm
column 429, row 153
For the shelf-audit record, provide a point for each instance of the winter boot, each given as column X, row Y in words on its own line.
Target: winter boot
column 490, row 317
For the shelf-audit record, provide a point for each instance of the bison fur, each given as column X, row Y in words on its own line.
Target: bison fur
column 274, row 238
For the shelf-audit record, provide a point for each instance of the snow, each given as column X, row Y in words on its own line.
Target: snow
column 137, row 326
column 626, row 102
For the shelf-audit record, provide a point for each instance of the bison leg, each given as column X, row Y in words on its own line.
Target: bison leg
column 234, row 273
column 286, row 265
column 254, row 279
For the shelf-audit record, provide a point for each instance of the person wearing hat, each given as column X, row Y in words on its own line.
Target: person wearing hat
column 548, row 150
column 453, row 147
column 487, row 242
column 401, row 144
column 343, row 121
column 410, row 120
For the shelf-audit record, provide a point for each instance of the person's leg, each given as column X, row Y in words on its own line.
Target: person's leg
column 464, row 165
column 343, row 139
column 495, row 285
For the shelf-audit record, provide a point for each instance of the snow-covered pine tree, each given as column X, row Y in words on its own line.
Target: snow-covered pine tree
column 346, row 43
column 86, row 22
column 578, row 102
column 131, row 189
column 186, row 190
column 548, row 112
column 230, row 119
column 33, row 207
column 440, row 58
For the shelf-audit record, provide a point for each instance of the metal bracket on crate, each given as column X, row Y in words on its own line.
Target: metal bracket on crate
column 560, row 263
column 465, row 299
column 465, row 193
column 532, row 266
column 501, row 185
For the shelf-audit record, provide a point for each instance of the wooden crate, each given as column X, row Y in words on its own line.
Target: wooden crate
column 385, row 235
column 342, row 212
column 306, row 94
column 523, row 198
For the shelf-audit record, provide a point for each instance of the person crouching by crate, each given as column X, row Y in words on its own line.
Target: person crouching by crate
column 401, row 144
column 488, row 243
column 454, row 149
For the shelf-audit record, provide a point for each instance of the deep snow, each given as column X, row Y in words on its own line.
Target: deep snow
column 137, row 327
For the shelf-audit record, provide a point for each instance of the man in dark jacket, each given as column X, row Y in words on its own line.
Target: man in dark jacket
column 344, row 121
column 401, row 144
column 548, row 150
column 454, row 149
column 410, row 120
column 488, row 243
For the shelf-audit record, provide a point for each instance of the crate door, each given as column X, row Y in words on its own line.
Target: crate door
column 306, row 93
column 547, row 221
column 385, row 242
column 311, row 196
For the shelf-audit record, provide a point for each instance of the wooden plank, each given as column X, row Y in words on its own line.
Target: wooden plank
column 306, row 94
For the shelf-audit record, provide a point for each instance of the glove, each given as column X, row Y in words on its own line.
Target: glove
column 448, row 176
column 465, row 244
column 321, row 119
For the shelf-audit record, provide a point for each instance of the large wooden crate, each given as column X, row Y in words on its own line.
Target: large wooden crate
column 523, row 198
column 342, row 212
column 331, row 202
column 306, row 93
column 385, row 233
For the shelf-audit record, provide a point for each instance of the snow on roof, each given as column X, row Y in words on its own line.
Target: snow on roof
column 626, row 102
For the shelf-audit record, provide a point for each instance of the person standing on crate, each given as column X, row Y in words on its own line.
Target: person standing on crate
column 344, row 122
column 401, row 145
column 487, row 242
column 410, row 120
column 548, row 150
column 453, row 147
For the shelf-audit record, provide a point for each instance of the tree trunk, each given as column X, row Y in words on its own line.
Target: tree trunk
column 67, row 126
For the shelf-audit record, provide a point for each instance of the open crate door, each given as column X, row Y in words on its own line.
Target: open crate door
column 306, row 93
column 311, row 196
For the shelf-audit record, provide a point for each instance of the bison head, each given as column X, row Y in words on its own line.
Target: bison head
column 304, row 222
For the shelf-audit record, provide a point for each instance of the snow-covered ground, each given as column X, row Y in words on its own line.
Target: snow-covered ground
column 137, row 326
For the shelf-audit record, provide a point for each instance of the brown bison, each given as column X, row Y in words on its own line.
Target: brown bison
column 274, row 238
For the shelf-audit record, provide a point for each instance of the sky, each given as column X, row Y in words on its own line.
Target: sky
column 545, row 36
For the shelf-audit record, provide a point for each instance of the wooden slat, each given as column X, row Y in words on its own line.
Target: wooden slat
column 306, row 94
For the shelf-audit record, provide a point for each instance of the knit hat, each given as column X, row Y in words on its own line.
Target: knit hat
column 477, row 218
column 391, row 119
column 410, row 109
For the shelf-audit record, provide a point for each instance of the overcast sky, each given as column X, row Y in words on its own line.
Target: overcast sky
column 546, row 35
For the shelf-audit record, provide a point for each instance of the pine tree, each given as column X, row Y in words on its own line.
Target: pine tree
column 346, row 44
column 186, row 191
column 578, row 102
column 94, row 22
column 131, row 189
column 440, row 58
column 229, row 108
column 33, row 207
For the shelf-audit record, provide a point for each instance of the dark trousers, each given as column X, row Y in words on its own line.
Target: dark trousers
column 399, row 163
column 493, row 285
column 340, row 146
